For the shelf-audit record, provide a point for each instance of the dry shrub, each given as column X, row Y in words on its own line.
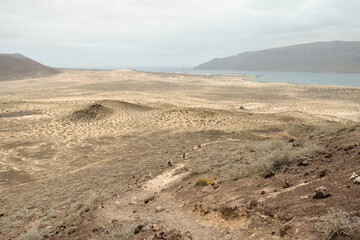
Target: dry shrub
column 204, row 181
column 195, row 172
column 33, row 233
column 275, row 155
column 70, row 220
column 124, row 231
column 92, row 202
column 337, row 222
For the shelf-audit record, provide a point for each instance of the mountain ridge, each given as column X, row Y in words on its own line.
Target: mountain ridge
column 334, row 56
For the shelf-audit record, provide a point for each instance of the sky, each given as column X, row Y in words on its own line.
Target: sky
column 165, row 33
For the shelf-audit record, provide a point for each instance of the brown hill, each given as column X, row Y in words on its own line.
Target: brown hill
column 335, row 56
column 16, row 66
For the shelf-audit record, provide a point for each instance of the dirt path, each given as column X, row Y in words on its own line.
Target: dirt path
column 161, row 209
column 160, row 182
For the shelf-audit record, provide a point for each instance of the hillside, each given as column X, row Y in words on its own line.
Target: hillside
column 16, row 66
column 335, row 56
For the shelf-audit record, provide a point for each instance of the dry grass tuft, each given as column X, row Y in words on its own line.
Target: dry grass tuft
column 204, row 181
column 124, row 231
column 337, row 222
column 274, row 155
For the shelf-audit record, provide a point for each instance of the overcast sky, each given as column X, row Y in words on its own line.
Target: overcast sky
column 135, row 33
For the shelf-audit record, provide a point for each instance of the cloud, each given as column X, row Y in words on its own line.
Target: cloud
column 161, row 32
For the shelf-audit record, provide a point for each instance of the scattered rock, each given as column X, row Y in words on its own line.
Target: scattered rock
column 353, row 176
column 114, row 221
column 253, row 204
column 349, row 147
column 230, row 212
column 286, row 183
column 178, row 189
column 291, row 140
column 269, row 174
column 147, row 200
column 138, row 229
column 99, row 229
column 284, row 229
column 321, row 192
column 241, row 108
column 187, row 236
column 262, row 192
column 71, row 230
column 216, row 187
column 322, row 173
column 171, row 235
column 357, row 180
column 303, row 162
column 2, row 214
column 159, row 209
column 157, row 227
column 328, row 155
column 199, row 208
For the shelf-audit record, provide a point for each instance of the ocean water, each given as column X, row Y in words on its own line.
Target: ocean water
column 342, row 79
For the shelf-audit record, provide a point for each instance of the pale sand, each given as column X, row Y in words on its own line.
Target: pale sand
column 40, row 142
column 49, row 163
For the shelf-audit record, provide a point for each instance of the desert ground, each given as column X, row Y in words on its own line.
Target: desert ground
column 84, row 155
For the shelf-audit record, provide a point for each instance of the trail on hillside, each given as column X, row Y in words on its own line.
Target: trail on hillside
column 161, row 208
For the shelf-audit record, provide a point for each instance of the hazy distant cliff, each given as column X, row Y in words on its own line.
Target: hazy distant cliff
column 336, row 56
column 17, row 66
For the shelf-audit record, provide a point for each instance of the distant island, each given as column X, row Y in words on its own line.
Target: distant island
column 334, row 56
column 16, row 66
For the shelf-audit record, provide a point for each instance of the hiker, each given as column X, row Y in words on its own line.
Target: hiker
column 183, row 155
column 199, row 145
column 170, row 163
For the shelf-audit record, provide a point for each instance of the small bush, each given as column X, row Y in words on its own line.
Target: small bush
column 204, row 181
column 337, row 223
column 70, row 220
column 194, row 173
column 92, row 202
column 33, row 233
column 275, row 156
column 119, row 232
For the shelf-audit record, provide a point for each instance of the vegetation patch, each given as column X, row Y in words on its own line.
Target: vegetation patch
column 337, row 222
column 204, row 181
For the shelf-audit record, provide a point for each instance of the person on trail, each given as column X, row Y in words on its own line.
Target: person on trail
column 183, row 155
column 199, row 145
column 170, row 163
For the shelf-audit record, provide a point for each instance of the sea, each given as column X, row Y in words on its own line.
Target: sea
column 341, row 79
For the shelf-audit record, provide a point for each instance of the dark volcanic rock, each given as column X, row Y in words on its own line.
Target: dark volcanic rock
column 321, row 192
column 92, row 112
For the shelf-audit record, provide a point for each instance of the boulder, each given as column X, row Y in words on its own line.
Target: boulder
column 321, row 192
column 357, row 180
column 286, row 183
column 354, row 175
column 159, row 209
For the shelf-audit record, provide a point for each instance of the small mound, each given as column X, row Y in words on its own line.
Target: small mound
column 121, row 105
column 92, row 112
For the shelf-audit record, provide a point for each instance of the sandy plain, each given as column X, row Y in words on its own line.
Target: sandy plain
column 53, row 163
